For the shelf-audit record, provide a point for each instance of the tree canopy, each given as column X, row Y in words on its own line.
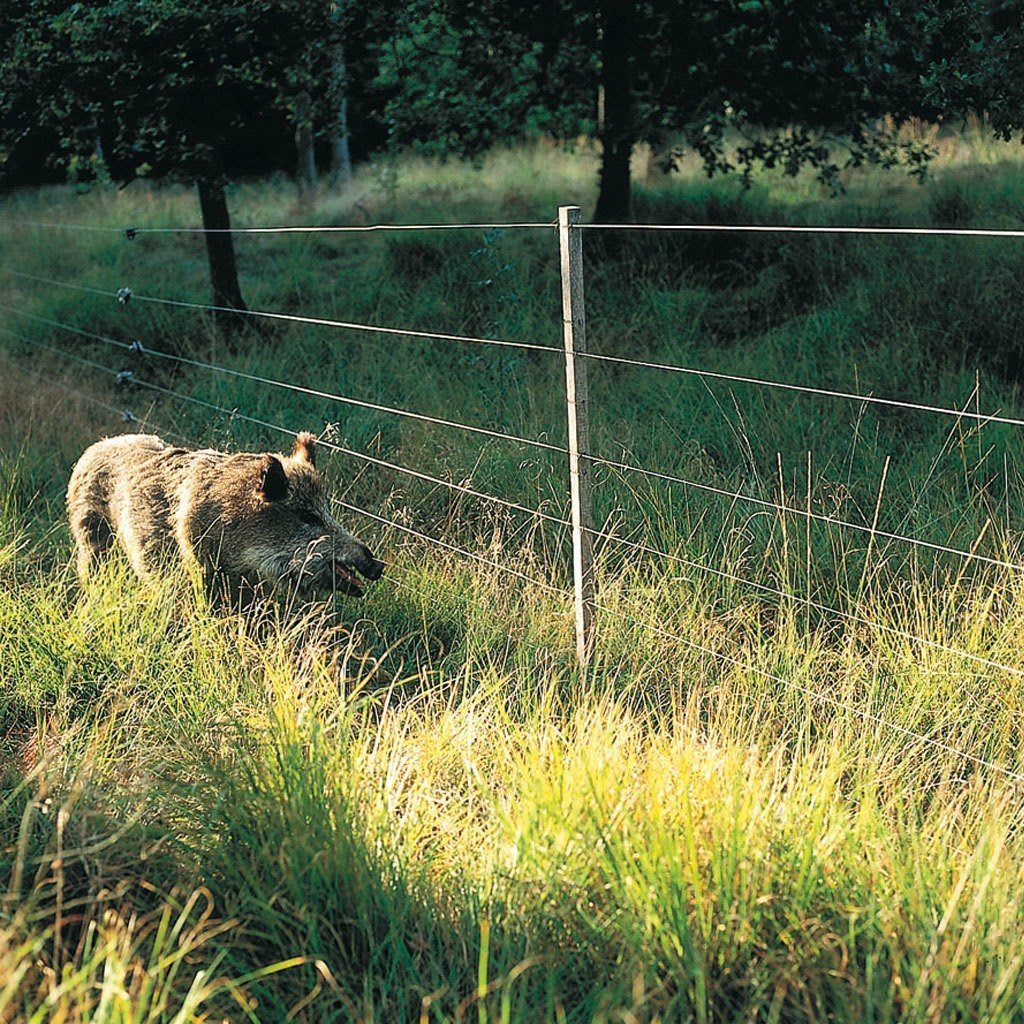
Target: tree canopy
column 168, row 88
column 970, row 55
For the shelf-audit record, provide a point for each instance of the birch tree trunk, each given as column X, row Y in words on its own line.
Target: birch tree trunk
column 341, row 157
column 305, row 166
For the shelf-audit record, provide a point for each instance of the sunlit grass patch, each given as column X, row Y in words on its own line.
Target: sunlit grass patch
column 727, row 815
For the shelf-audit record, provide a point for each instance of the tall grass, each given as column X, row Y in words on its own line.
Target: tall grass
column 415, row 807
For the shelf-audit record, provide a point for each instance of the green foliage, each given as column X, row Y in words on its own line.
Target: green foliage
column 460, row 79
column 972, row 56
column 161, row 88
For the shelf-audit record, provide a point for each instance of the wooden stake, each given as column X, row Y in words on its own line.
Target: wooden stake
column 574, row 330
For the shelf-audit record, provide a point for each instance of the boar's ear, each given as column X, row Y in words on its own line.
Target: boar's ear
column 305, row 447
column 273, row 480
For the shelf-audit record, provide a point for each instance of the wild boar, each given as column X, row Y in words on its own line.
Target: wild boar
column 252, row 521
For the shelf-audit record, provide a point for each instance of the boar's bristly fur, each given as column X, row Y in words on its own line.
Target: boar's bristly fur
column 249, row 519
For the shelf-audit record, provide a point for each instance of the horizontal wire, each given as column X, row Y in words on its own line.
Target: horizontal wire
column 817, row 516
column 347, row 325
column 81, row 360
column 803, row 388
column 619, row 360
column 358, row 403
column 817, row 695
column 812, row 229
column 287, row 229
column 64, row 327
column 202, row 403
column 816, row 229
column 810, row 602
column 983, row 418
column 104, row 292
column 18, row 222
column 284, row 229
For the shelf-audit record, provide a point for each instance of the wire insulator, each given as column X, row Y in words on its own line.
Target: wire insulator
column 130, row 233
column 124, row 296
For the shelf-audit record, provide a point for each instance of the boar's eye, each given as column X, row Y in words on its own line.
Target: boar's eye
column 310, row 519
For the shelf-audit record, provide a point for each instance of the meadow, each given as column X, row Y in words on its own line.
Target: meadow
column 788, row 786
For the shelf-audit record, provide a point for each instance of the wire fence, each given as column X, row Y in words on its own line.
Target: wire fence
column 124, row 295
column 131, row 377
column 872, row 531
column 596, row 357
column 865, row 528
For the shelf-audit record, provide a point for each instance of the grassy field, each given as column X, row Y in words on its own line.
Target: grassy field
column 787, row 789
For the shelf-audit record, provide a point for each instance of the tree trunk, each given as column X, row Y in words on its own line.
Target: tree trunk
column 220, row 251
column 305, row 167
column 341, row 158
column 617, row 133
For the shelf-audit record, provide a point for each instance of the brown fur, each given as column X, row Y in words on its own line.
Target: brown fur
column 249, row 519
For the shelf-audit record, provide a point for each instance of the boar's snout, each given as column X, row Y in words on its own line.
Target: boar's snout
column 329, row 564
column 355, row 556
column 369, row 566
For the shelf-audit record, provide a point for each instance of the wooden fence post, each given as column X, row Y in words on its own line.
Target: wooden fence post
column 574, row 331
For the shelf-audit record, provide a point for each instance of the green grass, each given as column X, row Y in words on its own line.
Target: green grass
column 414, row 807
